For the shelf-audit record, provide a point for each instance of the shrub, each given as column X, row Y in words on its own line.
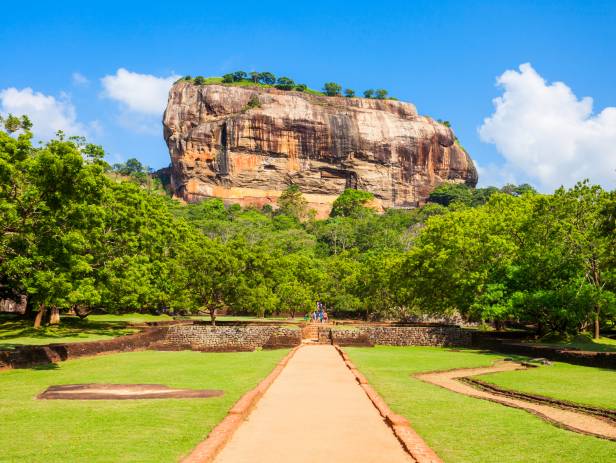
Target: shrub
column 301, row 87
column 349, row 93
column 253, row 102
column 284, row 83
column 227, row 78
column 199, row 80
column 368, row 93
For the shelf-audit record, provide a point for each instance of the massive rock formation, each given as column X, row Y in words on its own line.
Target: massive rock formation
column 246, row 144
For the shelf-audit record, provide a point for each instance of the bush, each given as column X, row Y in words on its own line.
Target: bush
column 368, row 93
column 301, row 87
column 227, row 78
column 253, row 102
column 199, row 80
column 284, row 83
column 349, row 93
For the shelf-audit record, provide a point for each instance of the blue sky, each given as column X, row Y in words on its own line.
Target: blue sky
column 445, row 57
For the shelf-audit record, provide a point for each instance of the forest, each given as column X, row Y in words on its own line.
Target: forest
column 80, row 235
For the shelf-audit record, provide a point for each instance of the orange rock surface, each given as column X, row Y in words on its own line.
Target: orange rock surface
column 221, row 147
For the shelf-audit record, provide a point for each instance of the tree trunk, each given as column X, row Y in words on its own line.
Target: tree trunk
column 39, row 316
column 55, row 316
column 597, row 333
column 213, row 316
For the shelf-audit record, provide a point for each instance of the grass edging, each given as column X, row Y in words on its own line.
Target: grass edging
column 207, row 450
column 605, row 413
column 408, row 437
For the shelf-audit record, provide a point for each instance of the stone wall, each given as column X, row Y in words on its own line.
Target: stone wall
column 229, row 338
column 399, row 336
column 26, row 356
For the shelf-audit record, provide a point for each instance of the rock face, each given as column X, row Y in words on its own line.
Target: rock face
column 247, row 144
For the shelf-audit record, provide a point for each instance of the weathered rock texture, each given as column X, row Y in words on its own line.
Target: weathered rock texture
column 222, row 147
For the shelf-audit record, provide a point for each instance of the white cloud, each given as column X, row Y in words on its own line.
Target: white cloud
column 47, row 113
column 547, row 134
column 140, row 93
column 79, row 79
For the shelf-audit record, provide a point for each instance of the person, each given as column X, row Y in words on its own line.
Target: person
column 325, row 316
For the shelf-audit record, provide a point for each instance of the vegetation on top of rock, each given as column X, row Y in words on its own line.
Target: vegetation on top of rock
column 268, row 80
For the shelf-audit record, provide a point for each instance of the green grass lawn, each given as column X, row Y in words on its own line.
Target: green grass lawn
column 462, row 429
column 16, row 332
column 586, row 343
column 248, row 83
column 573, row 383
column 123, row 430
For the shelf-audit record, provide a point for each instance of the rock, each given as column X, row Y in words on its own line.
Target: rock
column 247, row 144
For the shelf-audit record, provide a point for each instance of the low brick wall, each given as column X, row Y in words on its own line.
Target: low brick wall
column 26, row 356
column 229, row 338
column 399, row 336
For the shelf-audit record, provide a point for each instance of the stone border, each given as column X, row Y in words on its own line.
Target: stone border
column 603, row 413
column 408, row 437
column 558, row 424
column 207, row 450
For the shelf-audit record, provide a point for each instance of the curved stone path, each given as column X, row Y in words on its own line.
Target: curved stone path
column 314, row 412
column 568, row 419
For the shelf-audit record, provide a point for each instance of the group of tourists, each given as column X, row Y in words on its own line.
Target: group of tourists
column 320, row 314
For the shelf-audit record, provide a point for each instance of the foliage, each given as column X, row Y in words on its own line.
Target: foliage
column 349, row 93
column 332, row 89
column 351, row 203
column 380, row 94
column 369, row 93
column 284, row 83
column 77, row 234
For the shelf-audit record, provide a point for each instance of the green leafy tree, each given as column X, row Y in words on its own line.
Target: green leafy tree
column 301, row 87
column 380, row 94
column 228, row 78
column 293, row 203
column 349, row 93
column 255, row 76
column 369, row 93
column 267, row 78
column 238, row 76
column 351, row 203
column 199, row 80
column 332, row 89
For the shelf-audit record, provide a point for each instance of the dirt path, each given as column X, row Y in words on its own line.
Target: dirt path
column 575, row 421
column 315, row 411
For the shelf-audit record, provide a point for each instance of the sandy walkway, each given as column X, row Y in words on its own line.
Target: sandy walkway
column 315, row 411
column 573, row 420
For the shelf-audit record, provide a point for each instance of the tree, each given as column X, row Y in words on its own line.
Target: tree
column 349, row 93
column 368, row 93
column 12, row 123
column 301, row 87
column 238, row 76
column 199, row 80
column 448, row 193
column 228, row 78
column 380, row 94
column 254, row 77
column 293, row 203
column 267, row 78
column 284, row 83
column 214, row 274
column 351, row 203
column 332, row 89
